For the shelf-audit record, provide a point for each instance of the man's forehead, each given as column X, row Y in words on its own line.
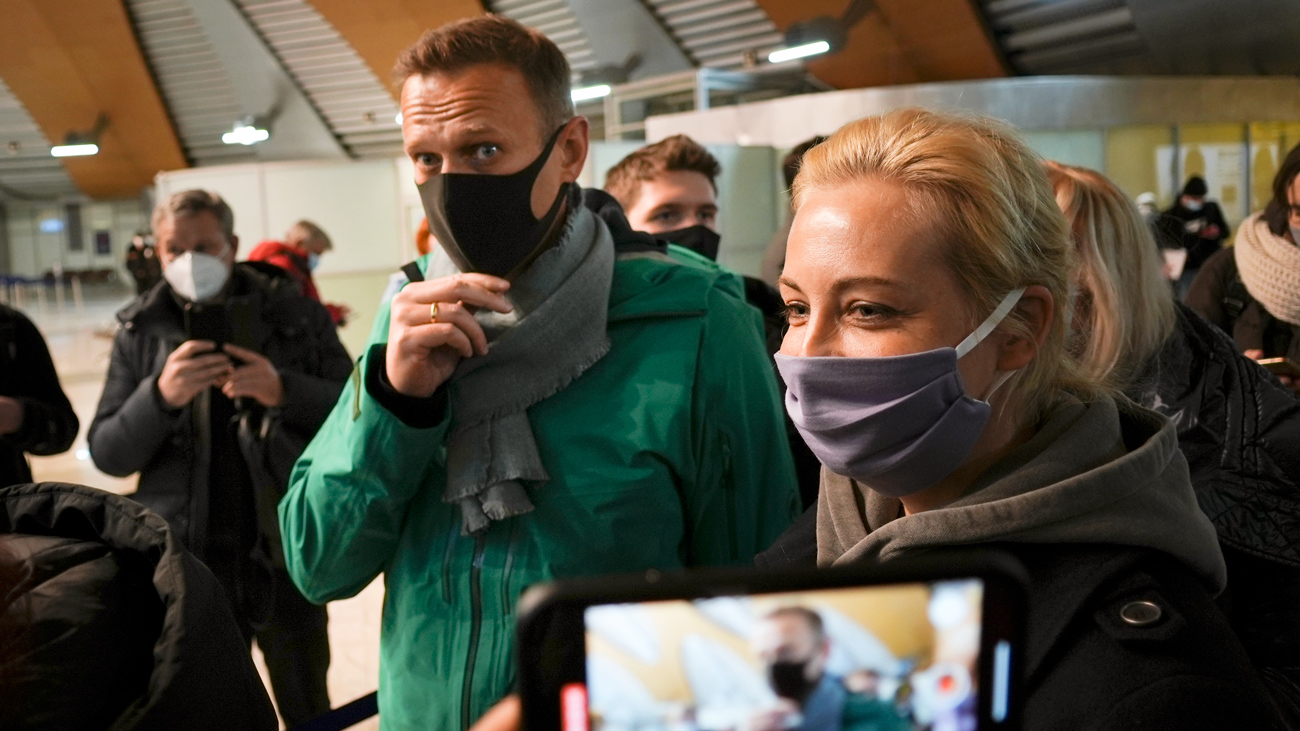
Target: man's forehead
column 474, row 91
column 682, row 186
column 190, row 225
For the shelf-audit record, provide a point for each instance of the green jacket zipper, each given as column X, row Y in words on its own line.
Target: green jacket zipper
column 729, row 498
column 475, row 627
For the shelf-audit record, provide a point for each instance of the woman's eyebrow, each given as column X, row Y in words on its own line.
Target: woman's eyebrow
column 864, row 282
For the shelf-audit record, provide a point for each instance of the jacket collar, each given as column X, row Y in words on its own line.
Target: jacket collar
column 159, row 311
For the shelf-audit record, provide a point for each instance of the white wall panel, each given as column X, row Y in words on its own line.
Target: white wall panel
column 359, row 204
column 1085, row 148
column 356, row 203
column 240, row 185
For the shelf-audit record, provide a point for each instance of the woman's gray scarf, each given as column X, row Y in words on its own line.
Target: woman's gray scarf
column 556, row 332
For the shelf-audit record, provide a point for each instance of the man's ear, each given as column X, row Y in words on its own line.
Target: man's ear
column 1036, row 309
column 573, row 144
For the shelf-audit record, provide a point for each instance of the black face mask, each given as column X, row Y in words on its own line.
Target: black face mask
column 700, row 239
column 790, row 680
column 485, row 222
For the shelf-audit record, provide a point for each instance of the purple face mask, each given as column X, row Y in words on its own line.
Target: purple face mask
column 896, row 424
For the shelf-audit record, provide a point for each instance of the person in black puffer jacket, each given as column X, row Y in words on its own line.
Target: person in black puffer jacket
column 35, row 416
column 106, row 622
column 1237, row 425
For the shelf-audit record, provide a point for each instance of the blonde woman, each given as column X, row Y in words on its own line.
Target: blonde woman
column 928, row 369
column 1238, row 427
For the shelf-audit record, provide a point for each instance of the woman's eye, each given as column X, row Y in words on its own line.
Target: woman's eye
column 486, row 152
column 794, row 311
column 869, row 311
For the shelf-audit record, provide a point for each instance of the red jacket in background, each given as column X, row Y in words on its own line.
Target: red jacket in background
column 294, row 261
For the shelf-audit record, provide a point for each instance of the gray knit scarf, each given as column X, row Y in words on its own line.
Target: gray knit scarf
column 556, row 331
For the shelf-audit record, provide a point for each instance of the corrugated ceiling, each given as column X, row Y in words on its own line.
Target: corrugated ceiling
column 346, row 93
column 191, row 78
column 557, row 21
column 26, row 168
column 718, row 33
column 1046, row 36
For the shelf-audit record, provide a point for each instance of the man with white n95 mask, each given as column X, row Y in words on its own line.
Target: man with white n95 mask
column 219, row 376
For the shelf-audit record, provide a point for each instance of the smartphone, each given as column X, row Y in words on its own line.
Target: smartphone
column 232, row 322
column 1281, row 366
column 918, row 644
column 207, row 322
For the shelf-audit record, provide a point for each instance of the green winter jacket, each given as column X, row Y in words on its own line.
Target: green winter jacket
column 669, row 452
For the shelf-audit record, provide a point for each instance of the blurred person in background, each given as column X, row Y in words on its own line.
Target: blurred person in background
column 1237, row 426
column 669, row 190
column 213, row 428
column 774, row 257
column 507, row 425
column 1200, row 225
column 927, row 279
column 792, row 645
column 299, row 255
column 35, row 416
column 1252, row 290
column 142, row 262
column 109, row 623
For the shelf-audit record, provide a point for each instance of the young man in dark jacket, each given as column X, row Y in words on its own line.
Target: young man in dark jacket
column 218, row 379
column 35, row 416
column 1201, row 224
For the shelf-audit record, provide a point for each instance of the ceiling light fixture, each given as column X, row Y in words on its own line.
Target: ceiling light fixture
column 250, row 130
column 398, row 118
column 599, row 82
column 807, row 49
column 822, row 34
column 587, row 93
column 78, row 144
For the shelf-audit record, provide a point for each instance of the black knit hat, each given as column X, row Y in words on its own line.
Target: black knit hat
column 1195, row 186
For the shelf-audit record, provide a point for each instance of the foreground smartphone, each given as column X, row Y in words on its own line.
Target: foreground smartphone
column 915, row 644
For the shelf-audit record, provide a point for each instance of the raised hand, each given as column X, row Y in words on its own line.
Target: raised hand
column 192, row 367
column 423, row 349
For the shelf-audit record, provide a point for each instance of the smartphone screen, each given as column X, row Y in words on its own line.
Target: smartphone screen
column 893, row 656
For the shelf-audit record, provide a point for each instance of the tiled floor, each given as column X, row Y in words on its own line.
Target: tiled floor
column 80, row 341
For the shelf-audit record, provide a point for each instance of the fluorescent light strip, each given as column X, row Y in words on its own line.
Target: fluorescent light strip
column 790, row 54
column 588, row 93
column 74, row 150
column 245, row 136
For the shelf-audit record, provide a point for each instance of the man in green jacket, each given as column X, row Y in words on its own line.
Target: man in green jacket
column 551, row 408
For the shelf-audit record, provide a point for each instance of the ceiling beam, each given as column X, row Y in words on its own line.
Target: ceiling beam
column 900, row 42
column 72, row 60
column 381, row 29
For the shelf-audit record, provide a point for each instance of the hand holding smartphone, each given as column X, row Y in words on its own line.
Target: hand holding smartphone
column 903, row 646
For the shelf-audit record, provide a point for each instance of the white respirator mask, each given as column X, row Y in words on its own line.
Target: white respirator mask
column 196, row 276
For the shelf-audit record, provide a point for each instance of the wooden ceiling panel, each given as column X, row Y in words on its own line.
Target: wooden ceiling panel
column 380, row 29
column 900, row 42
column 72, row 60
